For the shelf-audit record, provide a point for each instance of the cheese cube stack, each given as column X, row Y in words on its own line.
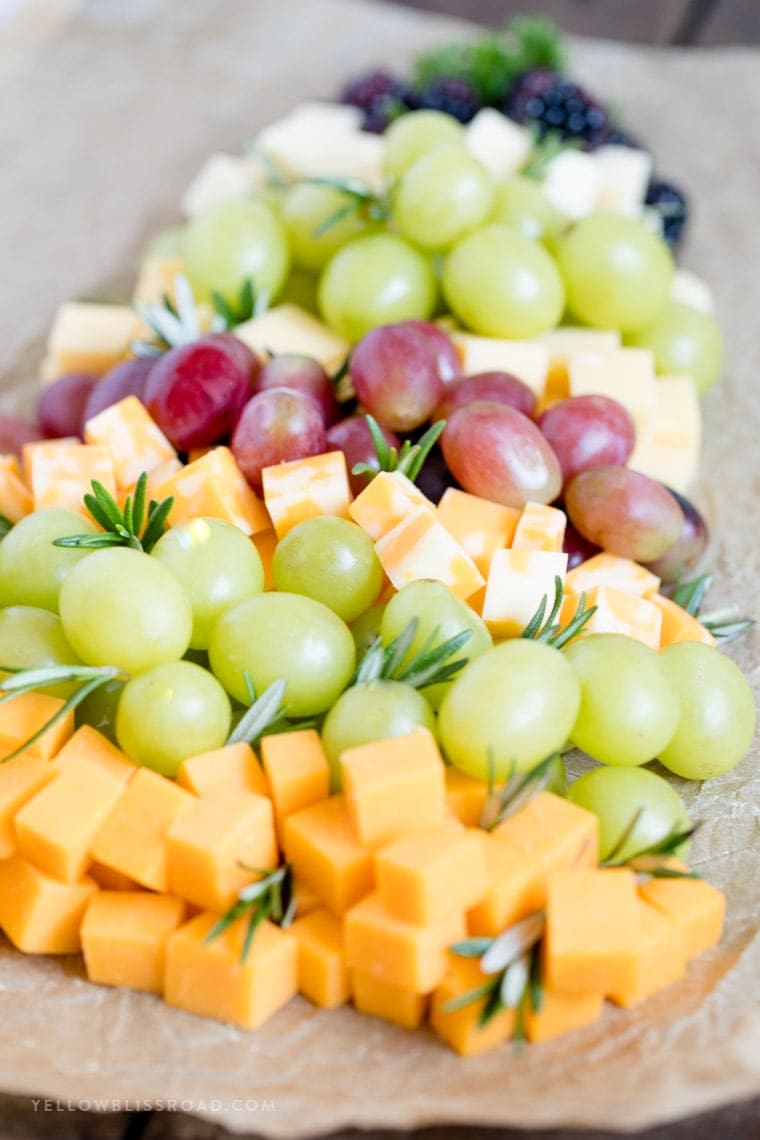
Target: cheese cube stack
column 133, row 440
column 419, row 547
column 214, row 486
column 624, row 374
column 528, row 360
column 59, row 472
column 386, row 501
column 478, row 525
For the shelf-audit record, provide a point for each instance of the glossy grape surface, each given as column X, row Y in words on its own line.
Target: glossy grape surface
column 31, row 568
column 412, row 136
column 331, row 560
column 125, row 379
column 60, row 408
column 441, row 197
column 588, row 431
column 617, row 795
column 521, row 204
column 394, row 371
column 275, row 426
column 501, row 387
column 235, row 242
column 685, row 342
column 624, row 512
column 302, row 374
column 315, row 231
column 685, row 553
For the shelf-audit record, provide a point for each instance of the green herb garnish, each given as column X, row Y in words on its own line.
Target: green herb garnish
column 5, row 526
column 271, row 897
column 547, row 629
column 122, row 527
column 652, row 861
column 515, row 793
column 545, row 150
column 430, row 665
column 361, row 200
column 263, row 712
column 724, row 623
column 409, row 460
column 249, row 303
column 173, row 323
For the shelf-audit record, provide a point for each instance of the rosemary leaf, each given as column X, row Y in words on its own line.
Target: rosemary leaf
column 5, row 526
column 261, row 714
column 469, row 997
column 513, row 943
column 471, row 947
column 514, row 982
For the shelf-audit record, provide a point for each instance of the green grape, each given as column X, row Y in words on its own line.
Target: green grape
column 121, row 607
column 331, row 560
column 439, row 616
column 283, row 635
column 629, row 707
column 509, row 709
column 31, row 568
column 307, row 212
column 99, row 708
column 31, row 638
column 617, row 796
column 233, row 242
column 366, row 628
column 216, row 564
column 521, row 204
column 411, row 136
column 372, row 711
column 170, row 712
column 502, row 284
column 441, row 197
column 717, row 721
column 617, row 273
column 685, row 342
column 376, row 280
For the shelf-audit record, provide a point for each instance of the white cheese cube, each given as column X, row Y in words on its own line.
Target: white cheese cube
column 691, row 290
column 500, row 145
column 517, row 581
column 571, row 183
column 624, row 374
column 323, row 140
column 526, row 359
column 289, row 328
column 624, row 175
column 669, row 450
column 222, row 178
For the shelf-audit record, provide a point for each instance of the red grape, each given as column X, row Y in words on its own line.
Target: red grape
column 499, row 454
column 501, row 387
column 394, row 370
column 291, row 370
column 60, row 408
column 125, row 379
column 686, row 551
column 588, row 431
column 14, row 433
column 447, row 357
column 576, row 547
column 275, row 426
column 196, row 392
column 352, row 437
column 624, row 512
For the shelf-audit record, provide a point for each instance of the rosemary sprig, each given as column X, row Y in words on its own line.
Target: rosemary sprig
column 21, row 681
column 430, row 665
column 409, row 460
column 511, row 966
column 263, row 712
column 270, row 897
column 122, row 527
column 547, row 629
column 724, row 624
column 173, row 323
column 276, row 179
column 249, row 303
column 5, row 526
column 361, row 200
column 516, row 792
column 653, row 861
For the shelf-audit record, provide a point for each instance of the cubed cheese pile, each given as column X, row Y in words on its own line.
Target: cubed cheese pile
column 135, row 870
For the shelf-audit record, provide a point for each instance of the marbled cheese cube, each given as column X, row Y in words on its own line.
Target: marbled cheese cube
column 526, row 359
column 500, row 145
column 214, row 487
column 624, row 374
column 305, row 488
column 133, row 439
column 385, row 502
column 289, row 328
column 617, row 612
column 517, row 581
column 419, row 547
column 539, row 528
column 15, row 497
column 607, row 569
column 59, row 472
column 478, row 525
column 678, row 624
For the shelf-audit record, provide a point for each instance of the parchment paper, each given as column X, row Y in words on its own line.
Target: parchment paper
column 101, row 128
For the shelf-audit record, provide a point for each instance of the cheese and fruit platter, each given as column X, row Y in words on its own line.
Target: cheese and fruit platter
column 337, row 550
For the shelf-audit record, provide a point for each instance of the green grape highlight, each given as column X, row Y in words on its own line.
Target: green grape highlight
column 234, row 242
column 620, row 795
column 441, row 197
column 411, row 136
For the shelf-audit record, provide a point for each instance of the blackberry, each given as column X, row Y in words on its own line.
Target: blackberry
column 673, row 207
column 456, row 97
column 381, row 96
column 557, row 105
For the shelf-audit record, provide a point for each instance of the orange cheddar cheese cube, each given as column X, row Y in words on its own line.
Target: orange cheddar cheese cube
column 460, row 1028
column 425, row 876
column 110, row 880
column 661, row 956
column 419, row 547
column 678, row 624
column 305, row 488
column 398, row 1004
column 394, row 786
column 605, row 569
column 517, row 582
column 87, row 336
column 60, row 473
column 617, row 612
column 515, row 888
column 57, row 827
column 214, row 487
column 232, row 768
column 24, row 716
column 323, row 847
column 696, row 907
column 539, row 528
column 209, row 978
column 15, row 497
column 385, row 502
column 89, row 744
column 20, row 779
column 39, row 914
column 561, row 1013
column 528, row 360
column 399, row 952
column 478, row 525
column 555, row 833
column 133, row 838
column 465, row 796
column 623, row 374
column 210, row 847
column 322, row 973
column 306, row 900
column 593, row 931
column 132, row 438
column 124, row 936
column 297, row 770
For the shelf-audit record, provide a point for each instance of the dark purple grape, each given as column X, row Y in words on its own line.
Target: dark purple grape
column 686, row 552
column 624, row 512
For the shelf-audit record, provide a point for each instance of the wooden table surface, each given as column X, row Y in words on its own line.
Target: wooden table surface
column 678, row 22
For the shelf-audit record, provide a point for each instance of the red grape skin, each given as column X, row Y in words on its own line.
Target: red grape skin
column 275, row 426
column 501, row 387
column 291, row 370
column 352, row 437
column 447, row 358
column 14, row 433
column 588, row 431
column 685, row 553
column 125, row 379
column 576, row 547
column 498, row 453
column 394, row 371
column 60, row 408
column 624, row 512
column 195, row 393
